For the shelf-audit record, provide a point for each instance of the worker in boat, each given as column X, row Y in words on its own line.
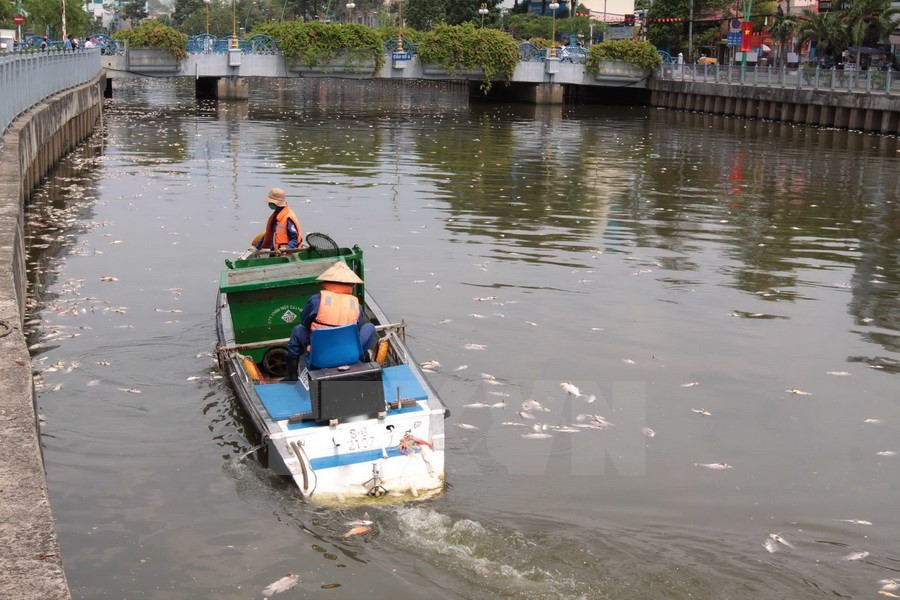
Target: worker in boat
column 283, row 229
column 334, row 306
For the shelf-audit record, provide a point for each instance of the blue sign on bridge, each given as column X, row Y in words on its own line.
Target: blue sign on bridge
column 401, row 56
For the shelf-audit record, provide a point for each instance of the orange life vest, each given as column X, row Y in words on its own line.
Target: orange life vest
column 336, row 309
column 281, row 232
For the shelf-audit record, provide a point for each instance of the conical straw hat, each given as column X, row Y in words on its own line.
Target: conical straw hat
column 339, row 273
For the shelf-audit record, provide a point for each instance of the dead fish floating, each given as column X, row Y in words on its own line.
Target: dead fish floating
column 358, row 530
column 536, row 436
column 282, row 585
column 714, row 466
column 797, row 392
column 855, row 521
column 702, row 411
column 689, row 384
column 777, row 537
column 466, row 426
column 856, row 555
column 648, row 432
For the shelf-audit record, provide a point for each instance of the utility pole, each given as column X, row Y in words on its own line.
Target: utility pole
column 64, row 36
column 691, row 31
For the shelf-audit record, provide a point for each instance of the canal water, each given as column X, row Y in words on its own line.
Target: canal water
column 726, row 290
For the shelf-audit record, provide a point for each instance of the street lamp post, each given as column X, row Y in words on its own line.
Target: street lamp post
column 400, row 26
column 234, row 38
column 483, row 11
column 553, row 6
column 350, row 7
column 206, row 2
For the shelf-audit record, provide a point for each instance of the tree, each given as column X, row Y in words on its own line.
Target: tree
column 825, row 28
column 133, row 10
column 868, row 22
column 781, row 30
column 424, row 14
column 45, row 16
column 6, row 10
column 672, row 37
column 461, row 11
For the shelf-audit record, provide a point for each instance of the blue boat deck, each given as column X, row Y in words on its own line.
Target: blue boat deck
column 283, row 400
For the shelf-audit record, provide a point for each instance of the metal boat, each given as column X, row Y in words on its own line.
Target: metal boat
column 369, row 429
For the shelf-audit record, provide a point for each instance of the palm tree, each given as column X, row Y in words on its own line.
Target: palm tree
column 869, row 21
column 825, row 28
column 781, row 30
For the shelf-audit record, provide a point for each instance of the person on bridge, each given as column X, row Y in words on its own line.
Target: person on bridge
column 68, row 44
column 334, row 306
column 44, row 44
column 283, row 229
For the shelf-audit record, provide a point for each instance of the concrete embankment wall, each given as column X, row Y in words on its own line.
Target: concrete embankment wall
column 30, row 561
column 875, row 112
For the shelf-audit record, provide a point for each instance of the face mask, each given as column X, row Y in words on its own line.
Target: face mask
column 272, row 206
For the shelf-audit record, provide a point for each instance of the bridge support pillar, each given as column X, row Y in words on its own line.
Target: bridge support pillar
column 108, row 88
column 545, row 93
column 222, row 88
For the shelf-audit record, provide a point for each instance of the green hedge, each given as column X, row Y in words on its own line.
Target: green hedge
column 456, row 47
column 314, row 43
column 153, row 34
column 641, row 54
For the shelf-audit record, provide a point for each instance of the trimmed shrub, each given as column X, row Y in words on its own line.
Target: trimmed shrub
column 314, row 43
column 641, row 54
column 153, row 34
column 456, row 47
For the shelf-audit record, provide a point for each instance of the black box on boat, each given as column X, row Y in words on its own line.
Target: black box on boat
column 344, row 392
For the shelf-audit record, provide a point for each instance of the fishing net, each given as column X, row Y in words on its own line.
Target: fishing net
column 322, row 245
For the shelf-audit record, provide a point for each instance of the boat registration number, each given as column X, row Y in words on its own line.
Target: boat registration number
column 360, row 438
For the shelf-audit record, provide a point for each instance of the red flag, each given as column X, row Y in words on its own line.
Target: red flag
column 746, row 36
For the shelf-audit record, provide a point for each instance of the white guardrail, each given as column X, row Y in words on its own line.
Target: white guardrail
column 27, row 78
column 804, row 78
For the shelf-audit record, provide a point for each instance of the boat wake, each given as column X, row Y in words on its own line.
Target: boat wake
column 505, row 563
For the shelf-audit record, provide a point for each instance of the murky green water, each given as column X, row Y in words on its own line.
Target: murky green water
column 628, row 251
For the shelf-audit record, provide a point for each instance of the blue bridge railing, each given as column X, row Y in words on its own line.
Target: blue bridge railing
column 528, row 52
column 206, row 43
column 106, row 44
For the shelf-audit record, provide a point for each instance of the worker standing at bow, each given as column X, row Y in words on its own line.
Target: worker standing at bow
column 283, row 229
column 334, row 306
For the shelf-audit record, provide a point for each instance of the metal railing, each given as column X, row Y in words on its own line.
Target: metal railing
column 206, row 43
column 27, row 78
column 804, row 78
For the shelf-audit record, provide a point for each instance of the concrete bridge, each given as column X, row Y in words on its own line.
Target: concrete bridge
column 537, row 79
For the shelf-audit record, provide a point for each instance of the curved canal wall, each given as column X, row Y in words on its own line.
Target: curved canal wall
column 30, row 562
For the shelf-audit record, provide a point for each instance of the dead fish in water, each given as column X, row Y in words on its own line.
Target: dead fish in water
column 477, row 316
column 532, row 323
column 108, row 278
column 648, row 432
column 282, row 585
column 570, row 389
column 714, row 466
column 856, row 555
column 103, row 363
column 130, row 390
column 488, row 377
column 500, row 394
column 797, row 392
column 702, row 411
column 193, row 378
column 628, row 361
column 358, row 522
column 887, row 593
column 886, row 453
column 431, row 364
column 358, row 530
column 838, row 373
column 690, row 384
column 93, row 382
column 485, row 299
column 465, row 426
column 770, row 546
column 461, row 367
column 855, row 521
column 872, row 421
column 534, row 405
column 501, row 404
column 536, row 436
column 776, row 537
column 477, row 405
column 524, row 415
column 493, row 382
column 56, row 387
column 445, row 321
column 474, row 347
column 513, row 424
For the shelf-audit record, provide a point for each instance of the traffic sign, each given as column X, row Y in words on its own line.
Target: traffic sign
column 19, row 19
